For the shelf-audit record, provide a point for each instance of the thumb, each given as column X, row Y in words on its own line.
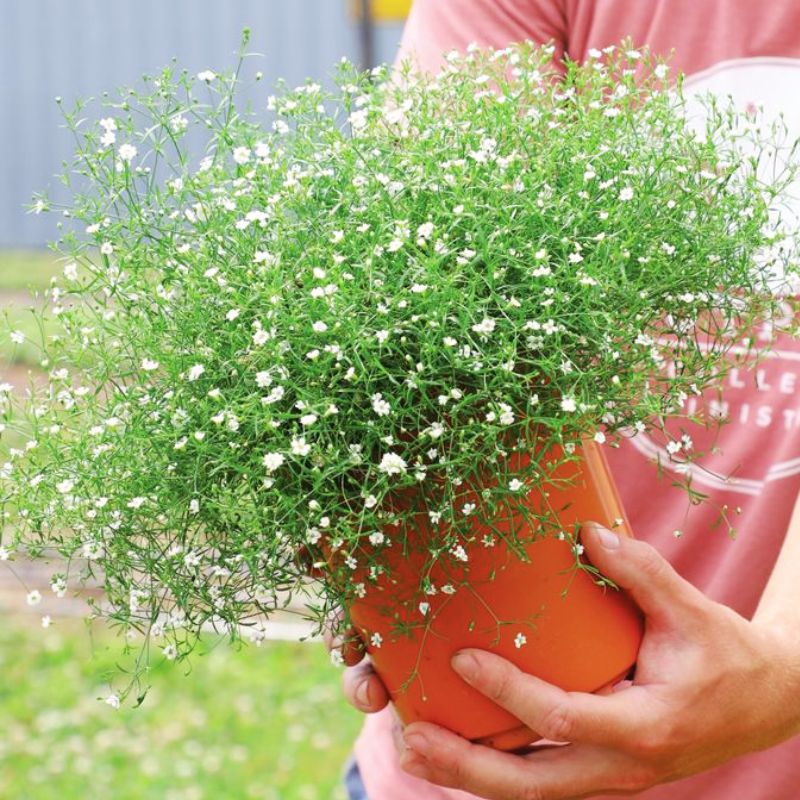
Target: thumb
column 641, row 570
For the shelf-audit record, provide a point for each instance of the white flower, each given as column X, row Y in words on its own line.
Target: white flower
column 137, row 502
column 71, row 271
column 18, row 337
column 274, row 396
column 392, row 464
column 194, row 506
column 358, row 119
column 520, row 640
column 170, row 652
column 436, row 430
column 308, row 419
column 300, row 447
column 661, row 71
column 273, row 461
column 106, row 249
column 179, row 123
column 112, row 700
column 568, row 404
column 241, row 155
column 319, row 327
column 376, row 640
column 127, row 152
column 34, row 597
column 506, row 415
column 515, row 484
column 263, row 379
column 195, row 372
column 260, row 337
column 46, row 621
column 206, row 75
column 5, row 553
column 600, row 437
column 148, row 364
column 485, row 326
column 382, row 336
column 232, row 314
column 65, row 487
column 424, row 608
column 673, row 447
column 380, row 406
column 377, row 538
column 459, row 553
column 626, row 194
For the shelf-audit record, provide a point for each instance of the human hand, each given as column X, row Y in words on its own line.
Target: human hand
column 709, row 686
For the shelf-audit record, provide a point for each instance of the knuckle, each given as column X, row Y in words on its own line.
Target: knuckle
column 558, row 724
column 651, row 564
column 502, row 686
column 531, row 791
column 454, row 767
column 653, row 746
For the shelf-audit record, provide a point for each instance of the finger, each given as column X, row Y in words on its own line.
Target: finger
column 436, row 755
column 556, row 715
column 348, row 643
column 363, row 689
column 639, row 568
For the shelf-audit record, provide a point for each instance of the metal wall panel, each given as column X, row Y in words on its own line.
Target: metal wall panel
column 77, row 48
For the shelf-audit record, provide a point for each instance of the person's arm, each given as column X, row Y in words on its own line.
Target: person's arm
column 779, row 607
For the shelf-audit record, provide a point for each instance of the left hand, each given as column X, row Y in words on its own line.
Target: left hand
column 710, row 685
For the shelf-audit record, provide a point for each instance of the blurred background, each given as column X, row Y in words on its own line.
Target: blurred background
column 265, row 722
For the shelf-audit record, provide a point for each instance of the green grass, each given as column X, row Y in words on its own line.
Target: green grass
column 265, row 723
column 22, row 272
column 27, row 269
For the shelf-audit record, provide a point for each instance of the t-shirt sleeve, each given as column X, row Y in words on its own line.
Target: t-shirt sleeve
column 435, row 27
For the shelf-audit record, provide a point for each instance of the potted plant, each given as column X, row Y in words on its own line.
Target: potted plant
column 389, row 334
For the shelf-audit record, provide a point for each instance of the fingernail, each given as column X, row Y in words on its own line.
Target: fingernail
column 417, row 742
column 608, row 539
column 466, row 665
column 362, row 694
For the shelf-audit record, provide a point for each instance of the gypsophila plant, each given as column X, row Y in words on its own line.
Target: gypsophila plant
column 277, row 345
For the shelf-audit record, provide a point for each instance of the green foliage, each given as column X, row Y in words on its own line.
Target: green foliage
column 312, row 334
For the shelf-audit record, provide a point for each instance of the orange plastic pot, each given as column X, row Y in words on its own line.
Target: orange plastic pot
column 577, row 635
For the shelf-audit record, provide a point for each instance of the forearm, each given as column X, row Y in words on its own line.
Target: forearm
column 780, row 603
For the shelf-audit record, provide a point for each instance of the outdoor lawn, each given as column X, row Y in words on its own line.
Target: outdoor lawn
column 264, row 722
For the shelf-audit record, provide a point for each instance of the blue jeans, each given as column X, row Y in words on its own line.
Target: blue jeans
column 353, row 783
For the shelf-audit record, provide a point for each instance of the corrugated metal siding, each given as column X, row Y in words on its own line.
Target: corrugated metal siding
column 77, row 48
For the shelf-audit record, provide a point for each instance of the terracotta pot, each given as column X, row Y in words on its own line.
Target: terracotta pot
column 577, row 634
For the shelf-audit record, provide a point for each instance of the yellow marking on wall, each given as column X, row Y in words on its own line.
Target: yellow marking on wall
column 384, row 10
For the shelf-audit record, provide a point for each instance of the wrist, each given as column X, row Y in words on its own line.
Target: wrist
column 781, row 642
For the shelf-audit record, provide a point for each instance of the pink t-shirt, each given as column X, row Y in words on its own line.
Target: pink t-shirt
column 750, row 50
